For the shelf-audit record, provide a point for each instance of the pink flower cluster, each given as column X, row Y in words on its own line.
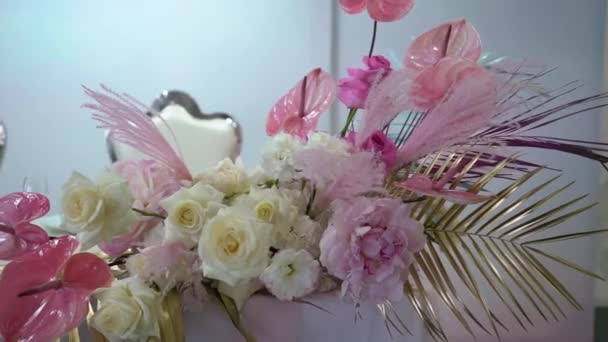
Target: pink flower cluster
column 149, row 182
column 353, row 90
column 369, row 245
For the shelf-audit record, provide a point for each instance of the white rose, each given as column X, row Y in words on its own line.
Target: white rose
column 228, row 177
column 187, row 211
column 128, row 311
column 97, row 212
column 328, row 142
column 277, row 155
column 241, row 291
column 305, row 234
column 292, row 274
column 234, row 245
column 268, row 205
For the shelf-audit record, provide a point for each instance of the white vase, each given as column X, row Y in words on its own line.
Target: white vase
column 270, row 320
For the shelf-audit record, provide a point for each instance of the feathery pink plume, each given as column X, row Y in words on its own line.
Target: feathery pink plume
column 466, row 106
column 338, row 176
column 424, row 185
column 298, row 111
column 127, row 122
column 387, row 98
column 456, row 38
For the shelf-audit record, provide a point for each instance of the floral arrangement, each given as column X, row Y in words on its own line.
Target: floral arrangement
column 394, row 209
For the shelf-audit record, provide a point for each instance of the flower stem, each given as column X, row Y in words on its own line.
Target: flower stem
column 375, row 30
column 145, row 213
column 349, row 120
column 311, row 200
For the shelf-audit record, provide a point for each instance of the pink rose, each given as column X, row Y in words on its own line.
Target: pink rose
column 353, row 90
column 369, row 245
column 379, row 143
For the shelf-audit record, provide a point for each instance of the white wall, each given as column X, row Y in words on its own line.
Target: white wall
column 559, row 32
column 233, row 56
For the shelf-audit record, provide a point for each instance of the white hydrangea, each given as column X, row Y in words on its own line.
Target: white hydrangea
column 328, row 142
column 292, row 274
column 277, row 156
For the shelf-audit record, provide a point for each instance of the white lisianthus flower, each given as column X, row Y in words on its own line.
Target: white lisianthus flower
column 96, row 212
column 277, row 155
column 228, row 177
column 128, row 310
column 292, row 274
column 328, row 142
column 241, row 291
column 187, row 211
column 234, row 245
column 304, row 233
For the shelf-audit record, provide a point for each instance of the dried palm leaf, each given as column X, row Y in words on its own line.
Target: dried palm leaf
column 489, row 249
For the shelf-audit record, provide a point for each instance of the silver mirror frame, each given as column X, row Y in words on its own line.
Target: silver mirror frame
column 184, row 100
column 3, row 138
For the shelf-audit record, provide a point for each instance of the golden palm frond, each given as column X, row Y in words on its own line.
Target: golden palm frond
column 491, row 248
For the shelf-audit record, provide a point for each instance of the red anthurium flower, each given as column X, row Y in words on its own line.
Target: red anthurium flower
column 380, row 10
column 298, row 112
column 45, row 294
column 17, row 235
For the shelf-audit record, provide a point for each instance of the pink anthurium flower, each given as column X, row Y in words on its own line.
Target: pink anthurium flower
column 17, row 235
column 298, row 111
column 380, row 10
column 456, row 38
column 424, row 185
column 45, row 294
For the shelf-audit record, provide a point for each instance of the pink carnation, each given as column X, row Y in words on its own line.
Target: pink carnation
column 149, row 183
column 369, row 245
column 353, row 90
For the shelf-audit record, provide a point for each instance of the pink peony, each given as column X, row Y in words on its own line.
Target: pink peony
column 380, row 10
column 149, row 183
column 353, row 90
column 369, row 245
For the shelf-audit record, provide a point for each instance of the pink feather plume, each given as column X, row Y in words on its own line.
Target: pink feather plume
column 338, row 176
column 462, row 99
column 298, row 111
column 127, row 122
column 386, row 99
column 424, row 185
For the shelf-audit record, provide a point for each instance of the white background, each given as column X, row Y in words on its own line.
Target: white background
column 239, row 57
